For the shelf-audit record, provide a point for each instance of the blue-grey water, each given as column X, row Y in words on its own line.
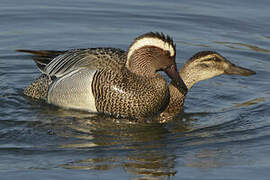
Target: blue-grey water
column 223, row 134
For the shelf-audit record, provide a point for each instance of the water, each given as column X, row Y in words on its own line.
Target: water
column 223, row 134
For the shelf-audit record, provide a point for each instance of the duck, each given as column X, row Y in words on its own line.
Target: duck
column 109, row 80
column 201, row 66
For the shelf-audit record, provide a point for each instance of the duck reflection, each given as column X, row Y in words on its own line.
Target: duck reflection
column 138, row 148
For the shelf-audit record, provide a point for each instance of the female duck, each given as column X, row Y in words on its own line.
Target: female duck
column 110, row 80
column 201, row 66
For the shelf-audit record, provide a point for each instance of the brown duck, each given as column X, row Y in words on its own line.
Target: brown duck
column 109, row 80
column 201, row 66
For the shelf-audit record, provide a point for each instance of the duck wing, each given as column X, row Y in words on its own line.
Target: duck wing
column 59, row 63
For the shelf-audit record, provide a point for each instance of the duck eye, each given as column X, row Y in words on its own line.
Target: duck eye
column 217, row 59
column 204, row 65
column 211, row 60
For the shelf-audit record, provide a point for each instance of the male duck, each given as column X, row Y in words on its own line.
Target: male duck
column 109, row 80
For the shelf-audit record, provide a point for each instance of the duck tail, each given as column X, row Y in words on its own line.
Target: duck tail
column 42, row 57
column 42, row 52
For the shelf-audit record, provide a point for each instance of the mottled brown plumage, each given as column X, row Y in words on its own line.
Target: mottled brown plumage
column 117, row 84
column 39, row 88
column 129, row 95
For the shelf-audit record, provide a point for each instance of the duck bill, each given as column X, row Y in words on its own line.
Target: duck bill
column 171, row 71
column 237, row 70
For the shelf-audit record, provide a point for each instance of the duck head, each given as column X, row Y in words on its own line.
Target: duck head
column 207, row 64
column 152, row 52
column 201, row 66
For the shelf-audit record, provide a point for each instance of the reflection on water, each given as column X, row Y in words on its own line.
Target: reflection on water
column 145, row 150
column 140, row 148
column 145, row 165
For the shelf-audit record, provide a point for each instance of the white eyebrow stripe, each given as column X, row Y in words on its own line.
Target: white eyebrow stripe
column 150, row 41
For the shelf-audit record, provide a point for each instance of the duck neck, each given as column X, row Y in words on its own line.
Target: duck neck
column 189, row 76
column 177, row 96
column 140, row 63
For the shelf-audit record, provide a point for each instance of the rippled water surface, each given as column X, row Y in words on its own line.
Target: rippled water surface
column 223, row 134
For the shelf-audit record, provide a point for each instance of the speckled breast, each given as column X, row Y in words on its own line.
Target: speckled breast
column 125, row 95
